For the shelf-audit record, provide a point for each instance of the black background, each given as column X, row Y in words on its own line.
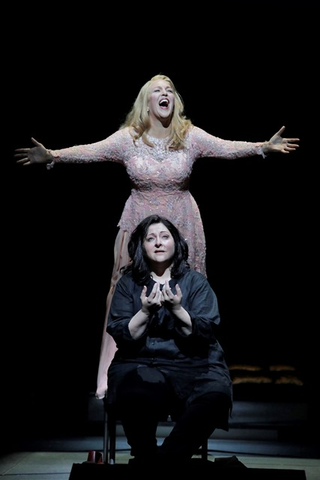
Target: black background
column 243, row 69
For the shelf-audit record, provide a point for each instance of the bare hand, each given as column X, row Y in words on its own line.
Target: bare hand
column 37, row 154
column 170, row 300
column 153, row 301
column 280, row 144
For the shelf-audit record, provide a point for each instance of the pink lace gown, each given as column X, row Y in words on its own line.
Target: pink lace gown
column 159, row 184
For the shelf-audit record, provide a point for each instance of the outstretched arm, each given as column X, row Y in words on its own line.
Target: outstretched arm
column 279, row 144
column 37, row 154
column 110, row 149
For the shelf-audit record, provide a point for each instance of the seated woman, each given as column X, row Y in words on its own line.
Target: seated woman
column 163, row 318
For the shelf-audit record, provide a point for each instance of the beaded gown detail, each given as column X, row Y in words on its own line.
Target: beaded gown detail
column 159, row 180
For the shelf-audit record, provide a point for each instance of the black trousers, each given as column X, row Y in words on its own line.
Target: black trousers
column 144, row 398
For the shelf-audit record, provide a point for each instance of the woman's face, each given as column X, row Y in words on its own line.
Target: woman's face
column 160, row 99
column 159, row 244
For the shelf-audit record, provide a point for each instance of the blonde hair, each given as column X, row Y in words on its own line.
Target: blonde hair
column 138, row 117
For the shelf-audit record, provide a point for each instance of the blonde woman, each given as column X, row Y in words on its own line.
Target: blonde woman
column 158, row 146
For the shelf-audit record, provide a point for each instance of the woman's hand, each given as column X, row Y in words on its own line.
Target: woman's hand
column 279, row 144
column 37, row 154
column 170, row 300
column 173, row 303
column 153, row 301
column 150, row 304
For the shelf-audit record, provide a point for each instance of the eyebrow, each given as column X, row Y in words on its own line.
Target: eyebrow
column 158, row 85
column 161, row 231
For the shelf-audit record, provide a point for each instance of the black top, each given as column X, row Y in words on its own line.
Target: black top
column 193, row 364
